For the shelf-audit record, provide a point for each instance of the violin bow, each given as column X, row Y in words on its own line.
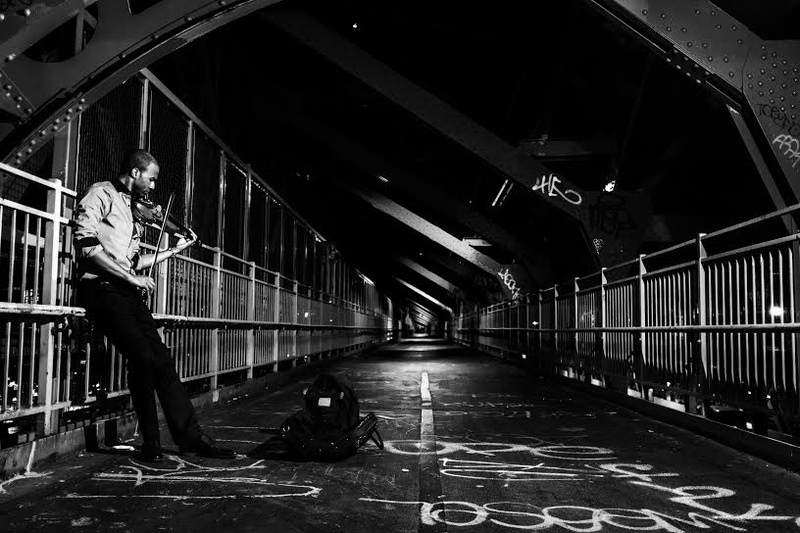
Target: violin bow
column 161, row 233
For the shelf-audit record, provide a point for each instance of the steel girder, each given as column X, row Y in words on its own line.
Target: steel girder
column 427, row 274
column 554, row 189
column 353, row 151
column 760, row 78
column 47, row 96
column 425, row 295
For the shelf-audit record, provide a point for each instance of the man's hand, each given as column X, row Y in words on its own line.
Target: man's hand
column 184, row 243
column 143, row 282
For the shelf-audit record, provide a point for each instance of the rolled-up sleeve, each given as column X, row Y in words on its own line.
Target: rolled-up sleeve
column 88, row 216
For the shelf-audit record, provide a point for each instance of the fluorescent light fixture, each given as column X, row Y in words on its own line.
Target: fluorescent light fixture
column 502, row 194
column 382, row 178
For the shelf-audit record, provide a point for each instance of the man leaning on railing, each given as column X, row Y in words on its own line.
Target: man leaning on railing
column 107, row 243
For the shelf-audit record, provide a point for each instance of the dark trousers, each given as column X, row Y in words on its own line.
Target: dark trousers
column 121, row 314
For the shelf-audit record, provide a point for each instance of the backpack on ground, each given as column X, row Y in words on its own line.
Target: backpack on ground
column 329, row 427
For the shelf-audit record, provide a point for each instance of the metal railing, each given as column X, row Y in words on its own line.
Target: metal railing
column 707, row 325
column 218, row 322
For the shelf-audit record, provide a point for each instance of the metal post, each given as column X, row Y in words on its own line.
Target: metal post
column 600, row 344
column 52, row 246
column 295, row 318
column 216, row 299
column 160, row 297
column 251, row 316
column 575, row 323
column 698, row 380
column 277, row 315
column 639, row 347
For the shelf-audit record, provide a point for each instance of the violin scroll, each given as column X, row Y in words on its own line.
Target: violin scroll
column 145, row 211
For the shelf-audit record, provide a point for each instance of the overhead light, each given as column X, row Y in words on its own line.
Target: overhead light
column 610, row 186
column 383, row 179
column 355, row 25
column 502, row 194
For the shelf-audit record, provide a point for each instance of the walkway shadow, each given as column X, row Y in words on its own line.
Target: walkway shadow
column 273, row 448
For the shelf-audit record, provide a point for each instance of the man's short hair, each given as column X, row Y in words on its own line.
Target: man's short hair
column 136, row 158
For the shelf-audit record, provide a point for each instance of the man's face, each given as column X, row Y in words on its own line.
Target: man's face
column 144, row 180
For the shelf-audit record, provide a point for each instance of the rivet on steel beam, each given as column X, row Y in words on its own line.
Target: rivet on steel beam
column 19, row 154
column 7, row 87
column 749, row 75
column 27, row 12
column 794, row 93
column 739, row 42
column 699, row 82
column 42, row 133
column 763, row 57
column 18, row 98
column 710, row 58
column 2, row 17
column 725, row 59
column 669, row 28
column 760, row 83
column 8, row 95
column 644, row 12
column 683, row 30
column 80, row 108
column 689, row 44
column 663, row 15
column 54, row 128
column 731, row 74
column 696, row 11
column 774, row 65
column 762, row 71
column 188, row 19
column 733, row 28
column 33, row 142
column 750, row 86
column 70, row 110
column 783, row 85
column 29, row 150
column 82, row 100
column 10, row 57
column 669, row 60
column 719, row 26
column 679, row 67
column 774, row 55
column 28, row 110
column 712, row 12
column 782, row 99
column 772, row 78
column 222, row 2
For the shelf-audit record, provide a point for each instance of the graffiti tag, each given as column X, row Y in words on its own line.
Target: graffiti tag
column 549, row 186
column 779, row 118
column 611, row 215
column 790, row 146
column 510, row 282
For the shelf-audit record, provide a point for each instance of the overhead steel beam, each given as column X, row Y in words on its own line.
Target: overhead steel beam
column 431, row 231
column 565, row 149
column 425, row 193
column 50, row 95
column 759, row 78
column 422, row 309
column 424, row 272
column 425, row 295
column 551, row 186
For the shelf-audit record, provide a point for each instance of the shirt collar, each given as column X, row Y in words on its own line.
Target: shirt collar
column 120, row 187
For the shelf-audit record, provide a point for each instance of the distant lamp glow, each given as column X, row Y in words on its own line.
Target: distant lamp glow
column 305, row 315
column 610, row 186
column 775, row 311
column 524, row 356
column 355, row 25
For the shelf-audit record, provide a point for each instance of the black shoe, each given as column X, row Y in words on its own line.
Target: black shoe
column 151, row 453
column 205, row 446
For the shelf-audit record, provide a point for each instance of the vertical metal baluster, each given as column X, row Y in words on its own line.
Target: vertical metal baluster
column 763, row 377
column 773, row 358
column 748, row 306
column 782, row 335
column 793, row 336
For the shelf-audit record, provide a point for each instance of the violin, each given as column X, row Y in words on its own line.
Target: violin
column 146, row 212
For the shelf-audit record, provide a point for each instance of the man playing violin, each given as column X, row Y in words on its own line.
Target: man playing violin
column 107, row 239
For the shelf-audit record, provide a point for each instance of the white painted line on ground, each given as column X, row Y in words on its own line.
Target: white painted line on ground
column 424, row 388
